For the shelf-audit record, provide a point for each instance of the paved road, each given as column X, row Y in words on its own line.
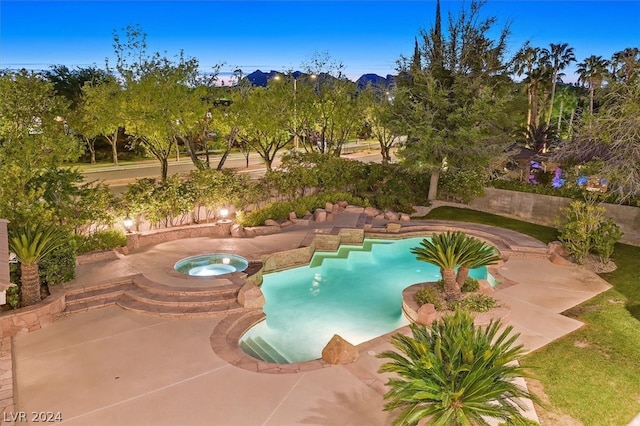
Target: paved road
column 117, row 177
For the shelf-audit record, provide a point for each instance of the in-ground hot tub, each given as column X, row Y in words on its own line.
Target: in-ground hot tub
column 212, row 264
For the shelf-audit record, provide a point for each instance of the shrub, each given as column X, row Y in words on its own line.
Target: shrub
column 462, row 185
column 605, row 238
column 587, row 229
column 470, row 285
column 476, row 302
column 59, row 266
column 429, row 295
column 105, row 239
column 13, row 296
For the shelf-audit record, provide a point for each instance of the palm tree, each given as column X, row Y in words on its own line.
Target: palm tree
column 477, row 254
column 31, row 244
column 444, row 250
column 524, row 62
column 455, row 373
column 626, row 64
column 592, row 72
column 560, row 55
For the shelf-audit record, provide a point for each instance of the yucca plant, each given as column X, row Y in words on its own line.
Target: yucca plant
column 455, row 374
column 476, row 255
column 31, row 244
column 445, row 251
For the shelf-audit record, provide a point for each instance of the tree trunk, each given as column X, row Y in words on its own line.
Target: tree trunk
column 30, row 284
column 433, row 184
column 191, row 150
column 462, row 275
column 164, row 164
column 451, row 287
column 114, row 147
column 225, row 154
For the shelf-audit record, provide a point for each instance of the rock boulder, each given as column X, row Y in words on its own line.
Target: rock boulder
column 339, row 351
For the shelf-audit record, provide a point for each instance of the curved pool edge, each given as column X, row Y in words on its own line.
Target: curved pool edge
column 226, row 335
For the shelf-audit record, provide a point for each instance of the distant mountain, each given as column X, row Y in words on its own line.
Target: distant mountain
column 375, row 80
column 259, row 78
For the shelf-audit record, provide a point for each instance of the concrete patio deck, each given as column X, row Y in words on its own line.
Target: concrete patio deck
column 114, row 367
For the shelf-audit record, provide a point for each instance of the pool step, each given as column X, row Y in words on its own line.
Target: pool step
column 344, row 252
column 258, row 348
column 138, row 293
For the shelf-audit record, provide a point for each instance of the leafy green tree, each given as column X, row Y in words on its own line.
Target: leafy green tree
column 379, row 118
column 455, row 374
column 264, row 121
column 455, row 110
column 32, row 244
column 158, row 95
column 333, row 110
column 608, row 141
column 69, row 83
column 32, row 129
column 101, row 113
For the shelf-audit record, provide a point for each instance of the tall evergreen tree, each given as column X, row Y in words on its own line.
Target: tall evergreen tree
column 454, row 108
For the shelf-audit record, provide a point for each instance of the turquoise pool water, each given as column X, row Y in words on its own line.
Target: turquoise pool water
column 212, row 264
column 355, row 292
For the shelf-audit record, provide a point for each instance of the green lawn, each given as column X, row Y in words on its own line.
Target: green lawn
column 593, row 374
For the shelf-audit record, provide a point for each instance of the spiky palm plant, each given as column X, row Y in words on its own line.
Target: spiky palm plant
column 455, row 374
column 31, row 244
column 444, row 250
column 477, row 254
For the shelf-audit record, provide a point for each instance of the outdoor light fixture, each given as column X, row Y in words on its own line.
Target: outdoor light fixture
column 224, row 212
column 226, row 260
column 128, row 223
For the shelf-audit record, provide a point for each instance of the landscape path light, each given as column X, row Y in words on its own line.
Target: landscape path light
column 128, row 223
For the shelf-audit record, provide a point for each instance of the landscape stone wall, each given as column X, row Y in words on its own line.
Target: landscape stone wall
column 547, row 210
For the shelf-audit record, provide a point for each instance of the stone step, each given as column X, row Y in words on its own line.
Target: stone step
column 99, row 293
column 99, row 286
column 142, row 295
column 220, row 287
column 128, row 303
column 85, row 306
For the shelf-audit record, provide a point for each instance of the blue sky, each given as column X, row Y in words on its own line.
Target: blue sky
column 366, row 36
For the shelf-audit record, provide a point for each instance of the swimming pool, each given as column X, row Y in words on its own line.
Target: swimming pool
column 355, row 292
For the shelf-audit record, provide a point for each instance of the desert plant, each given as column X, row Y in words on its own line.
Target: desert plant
column 455, row 373
column 31, row 244
column 444, row 250
column 470, row 285
column 476, row 302
column 476, row 255
column 429, row 295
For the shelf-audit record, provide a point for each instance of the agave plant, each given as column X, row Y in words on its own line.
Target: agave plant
column 445, row 251
column 476, row 255
column 455, row 374
column 31, row 244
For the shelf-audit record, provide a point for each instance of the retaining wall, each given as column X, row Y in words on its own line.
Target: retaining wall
column 547, row 210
